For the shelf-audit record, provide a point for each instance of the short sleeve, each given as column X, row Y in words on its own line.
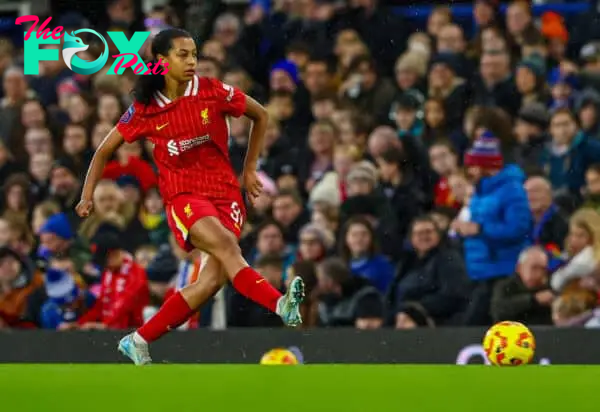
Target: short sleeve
column 130, row 125
column 233, row 100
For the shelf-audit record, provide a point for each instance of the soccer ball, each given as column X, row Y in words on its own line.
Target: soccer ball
column 509, row 344
column 279, row 356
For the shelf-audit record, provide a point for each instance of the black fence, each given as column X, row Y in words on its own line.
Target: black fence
column 427, row 346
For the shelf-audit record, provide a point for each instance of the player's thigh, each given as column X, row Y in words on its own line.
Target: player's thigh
column 210, row 235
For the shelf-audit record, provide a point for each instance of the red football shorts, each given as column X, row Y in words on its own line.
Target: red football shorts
column 185, row 210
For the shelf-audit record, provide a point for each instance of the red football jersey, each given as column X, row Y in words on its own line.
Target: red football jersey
column 190, row 137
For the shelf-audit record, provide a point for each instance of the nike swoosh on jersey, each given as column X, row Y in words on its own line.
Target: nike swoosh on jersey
column 162, row 126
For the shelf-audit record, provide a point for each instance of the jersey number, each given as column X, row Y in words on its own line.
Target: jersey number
column 236, row 215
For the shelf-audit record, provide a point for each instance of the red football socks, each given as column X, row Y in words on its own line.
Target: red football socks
column 171, row 315
column 255, row 287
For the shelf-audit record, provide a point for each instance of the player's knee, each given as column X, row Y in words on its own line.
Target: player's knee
column 225, row 247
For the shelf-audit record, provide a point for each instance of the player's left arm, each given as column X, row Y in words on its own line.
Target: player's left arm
column 259, row 116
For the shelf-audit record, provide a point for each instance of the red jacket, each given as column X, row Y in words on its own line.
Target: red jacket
column 136, row 167
column 123, row 296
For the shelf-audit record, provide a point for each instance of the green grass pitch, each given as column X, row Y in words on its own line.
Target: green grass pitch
column 306, row 388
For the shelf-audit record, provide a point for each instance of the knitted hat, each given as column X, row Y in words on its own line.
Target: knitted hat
column 485, row 152
column 553, row 27
column 58, row 225
column 60, row 287
column 535, row 63
column 66, row 163
column 363, row 170
column 535, row 113
column 289, row 67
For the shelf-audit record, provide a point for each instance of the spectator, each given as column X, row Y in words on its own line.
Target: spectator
column 15, row 205
column 270, row 241
column 364, row 87
column 439, row 17
column 592, row 188
column 444, row 162
column 525, row 297
column 587, row 107
column 570, row 153
column 530, row 131
column 400, row 188
column 444, row 84
column 153, row 218
column 331, row 189
column 437, row 128
column 315, row 243
column 346, row 300
column 40, row 166
column 583, row 246
column 124, row 287
column 431, row 276
column 531, row 81
column 496, row 86
column 499, row 226
column 410, row 71
column 288, row 211
column 562, row 88
column 519, row 20
column 359, row 250
column 550, row 227
column 17, row 282
column 381, row 139
column 57, row 238
column 66, row 302
column 405, row 112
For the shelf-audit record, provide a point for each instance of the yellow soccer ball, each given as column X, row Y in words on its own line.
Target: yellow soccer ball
column 509, row 344
column 279, row 356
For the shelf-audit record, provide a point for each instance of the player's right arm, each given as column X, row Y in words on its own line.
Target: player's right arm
column 103, row 154
column 129, row 128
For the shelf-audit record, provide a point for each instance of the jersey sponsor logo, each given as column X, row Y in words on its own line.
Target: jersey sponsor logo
column 172, row 148
column 128, row 115
column 162, row 126
column 175, row 148
column 205, row 118
column 230, row 92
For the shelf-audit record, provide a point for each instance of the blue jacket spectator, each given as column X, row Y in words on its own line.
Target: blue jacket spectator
column 66, row 301
column 569, row 154
column 500, row 209
column 359, row 250
column 499, row 227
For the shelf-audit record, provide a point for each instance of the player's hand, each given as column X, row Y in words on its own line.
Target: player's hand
column 252, row 184
column 84, row 207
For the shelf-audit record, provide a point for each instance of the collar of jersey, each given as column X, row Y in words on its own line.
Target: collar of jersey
column 191, row 90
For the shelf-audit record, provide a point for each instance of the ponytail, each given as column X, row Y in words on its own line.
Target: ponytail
column 147, row 85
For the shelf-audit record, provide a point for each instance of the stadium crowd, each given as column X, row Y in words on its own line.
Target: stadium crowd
column 413, row 178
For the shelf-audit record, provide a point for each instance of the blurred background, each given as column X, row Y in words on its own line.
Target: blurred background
column 426, row 165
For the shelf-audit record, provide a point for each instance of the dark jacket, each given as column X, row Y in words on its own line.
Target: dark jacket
column 528, row 154
column 503, row 95
column 552, row 229
column 512, row 301
column 437, row 281
column 359, row 299
column 242, row 312
column 567, row 171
